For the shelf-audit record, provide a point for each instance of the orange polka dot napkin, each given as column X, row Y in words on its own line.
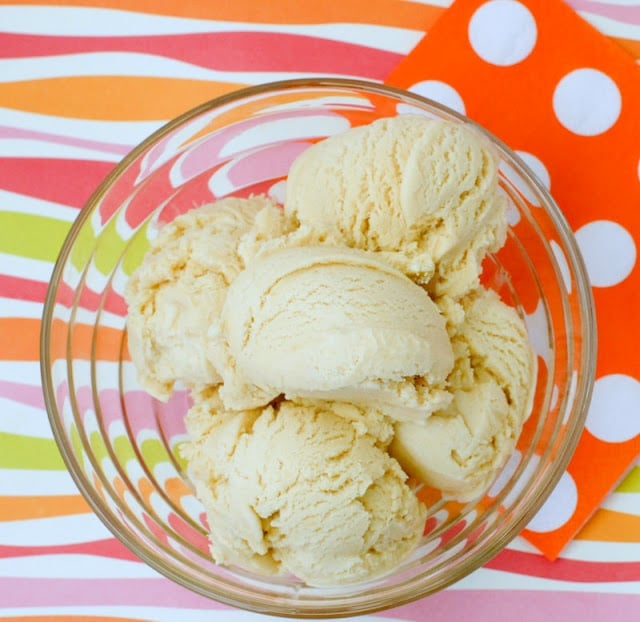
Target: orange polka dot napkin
column 568, row 101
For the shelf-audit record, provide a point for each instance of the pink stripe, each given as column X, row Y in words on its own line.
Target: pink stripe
column 65, row 295
column 234, row 51
column 139, row 405
column 475, row 605
column 272, row 162
column 153, row 191
column 62, row 394
column 535, row 565
column 69, row 182
column 187, row 532
column 22, row 393
column 88, row 592
column 119, row 192
column 521, row 605
column 143, row 412
column 626, row 14
column 193, row 194
column 171, row 415
column 84, row 399
column 261, row 187
column 104, row 548
column 13, row 132
column 110, row 300
column 22, row 289
column 204, row 156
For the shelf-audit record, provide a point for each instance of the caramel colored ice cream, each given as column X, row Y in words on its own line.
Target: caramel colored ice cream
column 333, row 323
column 423, row 193
column 461, row 448
column 176, row 296
column 338, row 346
column 301, row 488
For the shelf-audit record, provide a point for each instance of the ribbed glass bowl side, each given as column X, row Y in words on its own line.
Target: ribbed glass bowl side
column 122, row 447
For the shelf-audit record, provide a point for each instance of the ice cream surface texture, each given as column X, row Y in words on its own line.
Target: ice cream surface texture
column 301, row 488
column 176, row 296
column 460, row 449
column 334, row 323
column 422, row 192
column 337, row 346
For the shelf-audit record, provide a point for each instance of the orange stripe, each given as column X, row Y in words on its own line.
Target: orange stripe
column 25, row 508
column 20, row 338
column 146, row 488
column 610, row 526
column 176, row 489
column 119, row 487
column 249, row 108
column 118, row 98
column 397, row 13
column 107, row 341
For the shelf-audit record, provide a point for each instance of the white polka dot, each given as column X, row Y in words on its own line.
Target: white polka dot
column 562, row 264
column 512, row 212
column 558, row 508
column 440, row 92
column 638, row 170
column 506, row 474
column 571, row 395
column 537, row 325
column 523, row 480
column 614, row 414
column 537, row 168
column 503, row 32
column 587, row 102
column 509, row 173
column 608, row 250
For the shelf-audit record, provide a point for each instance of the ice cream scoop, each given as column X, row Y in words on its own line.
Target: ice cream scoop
column 333, row 323
column 461, row 448
column 338, row 346
column 424, row 193
column 296, row 488
column 176, row 295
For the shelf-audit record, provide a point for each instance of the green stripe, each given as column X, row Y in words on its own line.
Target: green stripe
column 631, row 483
column 83, row 246
column 137, row 249
column 25, row 452
column 76, row 442
column 109, row 248
column 124, row 450
column 178, row 455
column 98, row 447
column 154, row 453
column 80, row 453
column 29, row 235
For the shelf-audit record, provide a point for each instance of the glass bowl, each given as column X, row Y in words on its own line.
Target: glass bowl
column 121, row 446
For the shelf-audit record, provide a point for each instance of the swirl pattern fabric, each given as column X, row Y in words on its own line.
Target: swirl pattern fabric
column 82, row 82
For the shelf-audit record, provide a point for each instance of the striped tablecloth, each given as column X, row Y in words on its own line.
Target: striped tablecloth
column 83, row 81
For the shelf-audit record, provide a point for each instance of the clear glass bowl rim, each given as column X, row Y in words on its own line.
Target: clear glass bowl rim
column 414, row 590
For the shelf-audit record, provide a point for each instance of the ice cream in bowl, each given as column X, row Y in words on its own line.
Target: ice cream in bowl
column 318, row 348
